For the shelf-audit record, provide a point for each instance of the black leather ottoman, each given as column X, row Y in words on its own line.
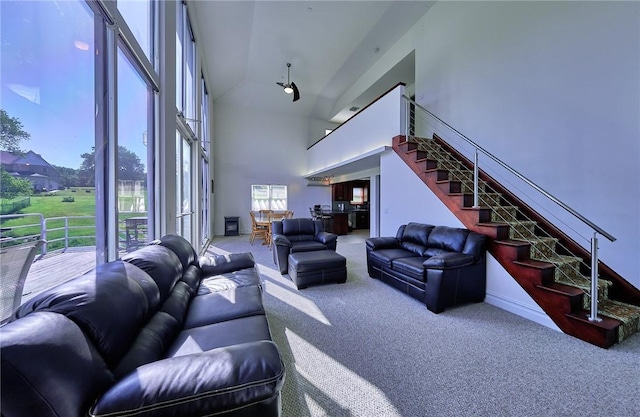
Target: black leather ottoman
column 317, row 267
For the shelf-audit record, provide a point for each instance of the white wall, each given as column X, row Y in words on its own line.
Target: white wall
column 368, row 131
column 258, row 147
column 414, row 202
column 553, row 88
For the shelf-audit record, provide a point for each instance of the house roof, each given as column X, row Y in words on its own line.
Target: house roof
column 7, row 157
column 29, row 158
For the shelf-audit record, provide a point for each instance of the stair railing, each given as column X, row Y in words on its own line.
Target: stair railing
column 410, row 130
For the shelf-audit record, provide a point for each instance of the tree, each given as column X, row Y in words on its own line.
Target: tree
column 11, row 187
column 11, row 133
column 129, row 167
column 87, row 170
column 68, row 176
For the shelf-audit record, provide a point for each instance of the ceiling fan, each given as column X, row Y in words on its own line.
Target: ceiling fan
column 290, row 87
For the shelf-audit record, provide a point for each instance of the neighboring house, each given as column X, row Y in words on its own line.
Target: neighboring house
column 33, row 167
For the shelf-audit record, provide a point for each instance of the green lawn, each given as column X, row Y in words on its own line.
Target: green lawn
column 51, row 205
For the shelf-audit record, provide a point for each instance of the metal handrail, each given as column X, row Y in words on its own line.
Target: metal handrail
column 520, row 176
column 593, row 316
column 66, row 229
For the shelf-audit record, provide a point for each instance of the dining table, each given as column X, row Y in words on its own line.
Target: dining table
column 264, row 219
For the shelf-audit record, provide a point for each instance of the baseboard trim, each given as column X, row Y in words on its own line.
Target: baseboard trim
column 522, row 310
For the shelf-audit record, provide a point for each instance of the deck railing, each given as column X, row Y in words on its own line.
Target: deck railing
column 64, row 232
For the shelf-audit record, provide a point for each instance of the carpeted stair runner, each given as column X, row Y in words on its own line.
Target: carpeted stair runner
column 568, row 268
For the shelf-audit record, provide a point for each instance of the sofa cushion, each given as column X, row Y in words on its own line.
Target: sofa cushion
column 298, row 229
column 192, row 277
column 110, row 304
column 449, row 260
column 448, row 238
column 384, row 257
column 160, row 263
column 435, row 252
column 413, row 247
column 417, row 233
column 476, row 246
column 212, row 336
column 410, row 266
column 307, row 246
column 242, row 278
column 205, row 384
column 49, row 368
column 181, row 247
column 224, row 305
column 222, row 264
column 151, row 344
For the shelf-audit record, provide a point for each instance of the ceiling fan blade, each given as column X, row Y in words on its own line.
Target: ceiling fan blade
column 281, row 84
column 296, row 92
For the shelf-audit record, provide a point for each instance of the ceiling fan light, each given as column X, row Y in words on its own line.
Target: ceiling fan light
column 288, row 89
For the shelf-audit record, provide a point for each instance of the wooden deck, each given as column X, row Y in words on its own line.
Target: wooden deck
column 56, row 268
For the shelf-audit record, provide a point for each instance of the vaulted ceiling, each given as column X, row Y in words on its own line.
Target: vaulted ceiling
column 329, row 44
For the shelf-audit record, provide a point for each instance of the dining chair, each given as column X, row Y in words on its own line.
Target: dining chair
column 327, row 217
column 258, row 230
column 15, row 262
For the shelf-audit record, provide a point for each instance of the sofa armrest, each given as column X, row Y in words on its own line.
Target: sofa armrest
column 281, row 240
column 208, row 383
column 375, row 243
column 449, row 260
column 327, row 238
column 221, row 264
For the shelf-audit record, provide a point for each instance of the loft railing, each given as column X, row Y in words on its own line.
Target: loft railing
column 421, row 123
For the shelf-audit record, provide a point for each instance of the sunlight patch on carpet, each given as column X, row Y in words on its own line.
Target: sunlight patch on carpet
column 332, row 387
column 297, row 301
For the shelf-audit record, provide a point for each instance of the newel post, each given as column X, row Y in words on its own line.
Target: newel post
column 594, row 279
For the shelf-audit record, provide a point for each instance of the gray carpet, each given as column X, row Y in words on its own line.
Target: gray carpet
column 365, row 349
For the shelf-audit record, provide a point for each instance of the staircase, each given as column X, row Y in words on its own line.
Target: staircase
column 552, row 268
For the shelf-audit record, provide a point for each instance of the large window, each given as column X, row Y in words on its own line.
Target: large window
column 135, row 100
column 205, row 191
column 184, row 200
column 87, row 158
column 80, row 88
column 268, row 197
column 138, row 15
column 48, row 78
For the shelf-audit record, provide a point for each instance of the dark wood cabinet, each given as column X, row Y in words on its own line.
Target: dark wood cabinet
column 340, row 223
column 342, row 191
column 362, row 220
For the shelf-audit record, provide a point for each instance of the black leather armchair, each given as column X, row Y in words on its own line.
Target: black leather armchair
column 298, row 235
column 439, row 265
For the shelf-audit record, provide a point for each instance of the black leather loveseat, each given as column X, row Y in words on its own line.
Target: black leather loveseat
column 161, row 332
column 299, row 235
column 439, row 265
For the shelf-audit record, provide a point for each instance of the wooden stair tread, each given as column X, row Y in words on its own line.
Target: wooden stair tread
column 492, row 224
column 513, row 242
column 606, row 323
column 533, row 263
column 563, row 289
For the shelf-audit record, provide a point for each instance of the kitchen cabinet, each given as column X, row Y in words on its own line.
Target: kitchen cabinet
column 362, row 219
column 342, row 191
column 340, row 223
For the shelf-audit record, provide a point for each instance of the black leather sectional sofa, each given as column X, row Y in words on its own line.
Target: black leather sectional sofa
column 439, row 265
column 161, row 332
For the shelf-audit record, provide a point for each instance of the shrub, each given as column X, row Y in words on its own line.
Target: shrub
column 68, row 199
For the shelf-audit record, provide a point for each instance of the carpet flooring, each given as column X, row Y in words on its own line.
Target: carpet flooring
column 363, row 348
